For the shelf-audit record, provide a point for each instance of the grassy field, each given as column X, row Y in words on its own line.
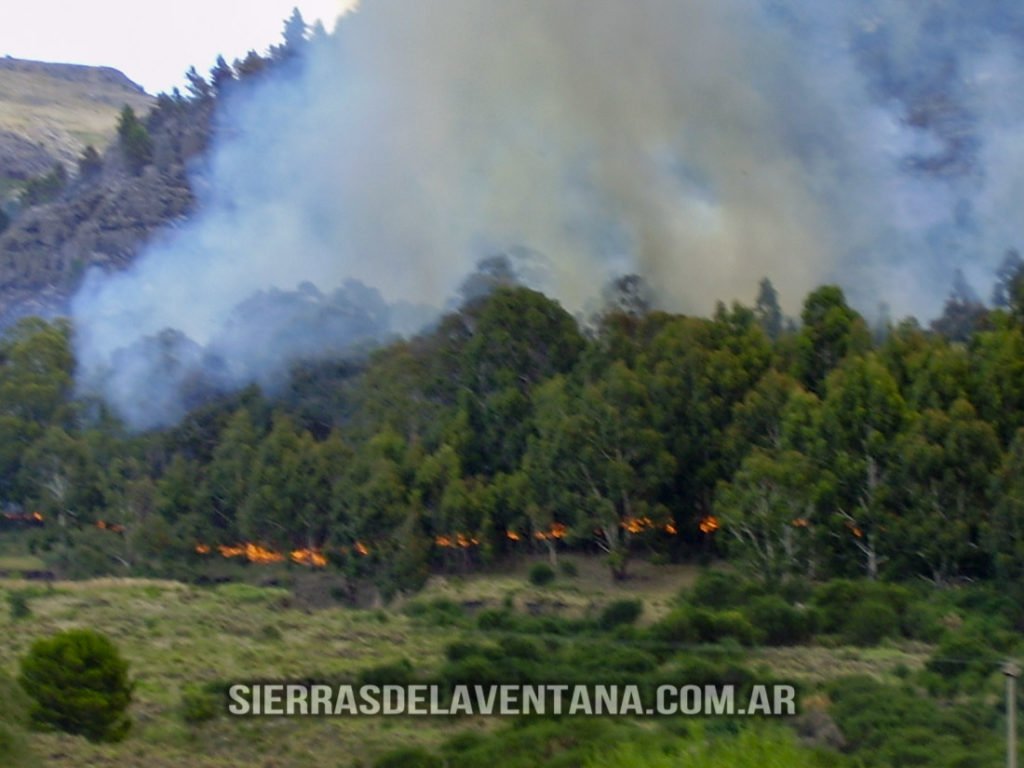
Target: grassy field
column 175, row 635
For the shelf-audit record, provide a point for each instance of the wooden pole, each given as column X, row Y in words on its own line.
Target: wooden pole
column 1012, row 671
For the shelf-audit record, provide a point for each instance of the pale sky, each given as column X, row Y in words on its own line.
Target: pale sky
column 151, row 42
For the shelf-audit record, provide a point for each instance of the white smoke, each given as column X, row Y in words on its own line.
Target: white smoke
column 701, row 144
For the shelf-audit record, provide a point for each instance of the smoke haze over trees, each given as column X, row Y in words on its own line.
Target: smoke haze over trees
column 698, row 145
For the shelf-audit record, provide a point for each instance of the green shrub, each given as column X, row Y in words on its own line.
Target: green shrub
column 79, row 684
column 17, row 603
column 961, row 658
column 409, row 757
column 677, row 627
column 703, row 669
column 541, row 574
column 721, row 589
column 871, row 621
column 438, row 612
column 399, row 672
column 199, row 704
column 923, row 622
column 836, row 601
column 715, row 626
column 619, row 613
column 494, row 618
column 521, row 648
column 778, row 621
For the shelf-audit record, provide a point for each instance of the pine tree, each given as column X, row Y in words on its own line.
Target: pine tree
column 135, row 140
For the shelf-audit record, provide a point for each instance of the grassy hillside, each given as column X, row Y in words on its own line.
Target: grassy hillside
column 60, row 108
column 177, row 636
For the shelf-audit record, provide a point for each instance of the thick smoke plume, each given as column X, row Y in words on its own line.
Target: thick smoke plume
column 700, row 144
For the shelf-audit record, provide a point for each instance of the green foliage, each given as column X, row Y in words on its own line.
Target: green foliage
column 135, row 141
column 721, row 589
column 44, row 189
column 870, row 622
column 963, row 660
column 409, row 757
column 79, row 684
column 17, row 603
column 200, row 704
column 399, row 672
column 779, row 622
column 561, row 743
column 836, row 601
column 541, row 574
column 620, row 613
column 440, row 612
column 890, row 725
column 754, row 747
column 15, row 750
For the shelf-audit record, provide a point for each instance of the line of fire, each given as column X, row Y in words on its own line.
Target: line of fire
column 318, row 557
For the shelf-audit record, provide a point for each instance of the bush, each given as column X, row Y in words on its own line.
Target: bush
column 79, row 684
column 541, row 574
column 715, row 626
column 871, row 621
column 17, row 603
column 199, row 704
column 619, row 613
column 399, row 672
column 409, row 757
column 521, row 648
column 961, row 658
column 677, row 627
column 837, row 600
column 440, row 612
column 778, row 621
column 720, row 589
column 135, row 140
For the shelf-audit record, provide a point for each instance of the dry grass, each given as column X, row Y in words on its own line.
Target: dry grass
column 175, row 634
column 583, row 595
column 63, row 115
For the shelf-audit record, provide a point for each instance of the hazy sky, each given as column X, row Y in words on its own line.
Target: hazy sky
column 151, row 42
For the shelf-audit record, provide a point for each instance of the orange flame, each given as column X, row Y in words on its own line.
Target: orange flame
column 801, row 522
column 23, row 517
column 709, row 524
column 461, row 541
column 103, row 525
column 671, row 529
column 362, row 549
column 202, row 549
column 512, row 536
column 254, row 553
column 637, row 524
column 311, row 557
column 556, row 531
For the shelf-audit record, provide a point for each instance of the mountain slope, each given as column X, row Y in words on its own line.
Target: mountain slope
column 51, row 112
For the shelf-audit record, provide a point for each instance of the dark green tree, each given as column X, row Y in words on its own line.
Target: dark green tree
column 135, row 140
column 767, row 309
column 79, row 684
